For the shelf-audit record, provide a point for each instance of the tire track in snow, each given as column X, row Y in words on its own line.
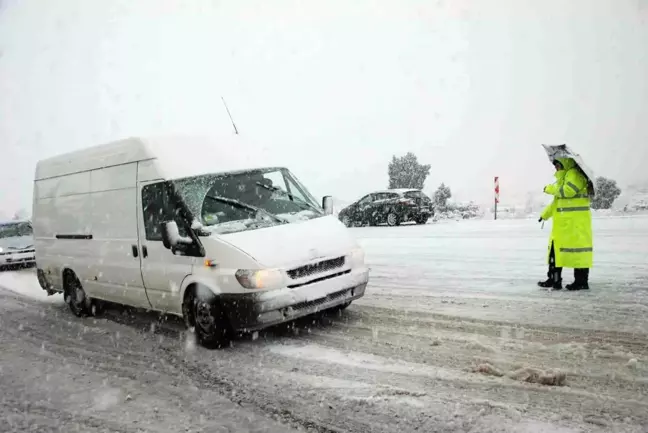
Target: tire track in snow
column 630, row 392
column 52, row 363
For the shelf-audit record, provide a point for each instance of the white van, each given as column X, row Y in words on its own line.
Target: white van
column 138, row 222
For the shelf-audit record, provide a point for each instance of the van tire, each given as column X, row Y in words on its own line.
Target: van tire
column 80, row 304
column 205, row 315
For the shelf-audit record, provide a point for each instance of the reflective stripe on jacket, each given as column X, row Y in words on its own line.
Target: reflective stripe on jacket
column 571, row 232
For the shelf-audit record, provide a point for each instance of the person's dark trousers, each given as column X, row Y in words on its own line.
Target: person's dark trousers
column 554, row 275
column 581, row 275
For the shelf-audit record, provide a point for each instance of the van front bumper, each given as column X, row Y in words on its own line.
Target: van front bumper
column 17, row 259
column 254, row 311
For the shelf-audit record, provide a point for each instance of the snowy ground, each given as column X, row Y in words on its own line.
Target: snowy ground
column 444, row 299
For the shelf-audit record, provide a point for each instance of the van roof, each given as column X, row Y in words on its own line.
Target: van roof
column 92, row 158
column 178, row 156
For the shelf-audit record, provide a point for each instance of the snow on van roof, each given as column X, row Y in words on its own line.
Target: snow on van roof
column 183, row 156
column 177, row 156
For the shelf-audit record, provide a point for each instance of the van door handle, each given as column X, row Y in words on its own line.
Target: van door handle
column 144, row 251
column 134, row 248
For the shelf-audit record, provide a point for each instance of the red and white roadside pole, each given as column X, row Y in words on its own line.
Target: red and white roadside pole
column 496, row 194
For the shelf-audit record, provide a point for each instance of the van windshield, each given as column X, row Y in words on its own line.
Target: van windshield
column 233, row 202
column 14, row 230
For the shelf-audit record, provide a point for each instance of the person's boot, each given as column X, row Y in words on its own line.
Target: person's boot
column 581, row 277
column 554, row 281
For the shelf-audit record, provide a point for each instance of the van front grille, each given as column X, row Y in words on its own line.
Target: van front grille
column 318, row 279
column 324, row 300
column 316, row 268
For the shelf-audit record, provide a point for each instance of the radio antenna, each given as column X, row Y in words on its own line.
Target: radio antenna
column 230, row 116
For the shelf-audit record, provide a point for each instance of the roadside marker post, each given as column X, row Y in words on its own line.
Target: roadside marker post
column 496, row 194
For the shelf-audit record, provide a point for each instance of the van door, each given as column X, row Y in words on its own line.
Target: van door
column 162, row 271
column 109, row 264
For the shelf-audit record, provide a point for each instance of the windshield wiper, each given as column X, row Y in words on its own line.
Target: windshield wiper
column 295, row 199
column 246, row 206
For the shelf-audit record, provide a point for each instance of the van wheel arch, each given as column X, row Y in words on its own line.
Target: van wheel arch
column 187, row 299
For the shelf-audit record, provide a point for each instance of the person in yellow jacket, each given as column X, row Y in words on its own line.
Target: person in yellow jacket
column 570, row 244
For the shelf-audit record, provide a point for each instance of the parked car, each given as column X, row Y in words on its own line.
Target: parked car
column 16, row 244
column 393, row 206
column 187, row 227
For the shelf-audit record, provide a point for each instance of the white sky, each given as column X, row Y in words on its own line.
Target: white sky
column 336, row 87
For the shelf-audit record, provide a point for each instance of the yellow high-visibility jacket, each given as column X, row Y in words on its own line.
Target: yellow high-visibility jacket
column 571, row 233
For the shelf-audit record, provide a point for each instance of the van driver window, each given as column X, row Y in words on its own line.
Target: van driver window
column 158, row 207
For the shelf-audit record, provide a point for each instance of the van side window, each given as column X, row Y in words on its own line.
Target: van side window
column 158, row 207
column 294, row 190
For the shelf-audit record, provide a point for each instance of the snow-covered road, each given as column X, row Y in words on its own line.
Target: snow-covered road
column 445, row 300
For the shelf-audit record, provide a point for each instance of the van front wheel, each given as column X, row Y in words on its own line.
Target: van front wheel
column 209, row 321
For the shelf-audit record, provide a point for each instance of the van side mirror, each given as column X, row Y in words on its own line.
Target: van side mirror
column 327, row 205
column 171, row 238
column 170, row 234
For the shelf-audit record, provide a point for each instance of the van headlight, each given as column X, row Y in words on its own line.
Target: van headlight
column 259, row 278
column 357, row 257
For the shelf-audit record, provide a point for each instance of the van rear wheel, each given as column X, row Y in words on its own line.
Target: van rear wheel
column 208, row 319
column 80, row 304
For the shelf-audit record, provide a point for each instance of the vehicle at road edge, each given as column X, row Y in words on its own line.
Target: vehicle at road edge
column 393, row 207
column 16, row 244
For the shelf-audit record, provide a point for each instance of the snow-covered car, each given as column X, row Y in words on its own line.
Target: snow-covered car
column 393, row 206
column 187, row 226
column 16, row 244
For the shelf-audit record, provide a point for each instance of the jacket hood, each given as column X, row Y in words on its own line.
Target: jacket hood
column 567, row 163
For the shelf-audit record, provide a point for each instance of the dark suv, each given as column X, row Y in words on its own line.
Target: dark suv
column 393, row 206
